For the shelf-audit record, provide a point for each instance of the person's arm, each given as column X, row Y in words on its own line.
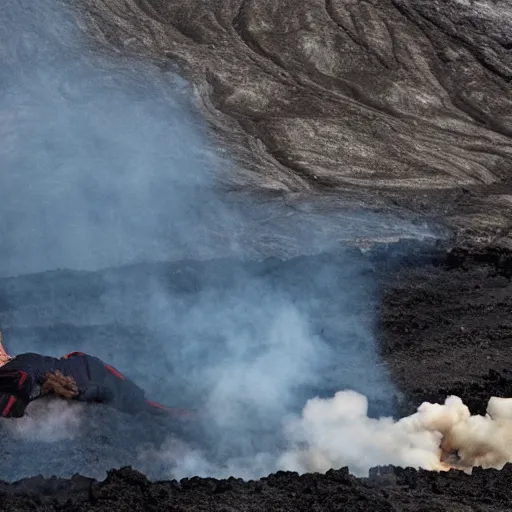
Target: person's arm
column 96, row 393
column 66, row 387
column 58, row 384
column 18, row 389
column 93, row 391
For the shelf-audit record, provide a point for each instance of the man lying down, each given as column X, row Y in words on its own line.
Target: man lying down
column 76, row 376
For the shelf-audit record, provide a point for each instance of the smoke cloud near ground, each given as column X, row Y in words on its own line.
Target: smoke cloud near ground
column 48, row 421
column 107, row 165
column 337, row 432
column 250, row 353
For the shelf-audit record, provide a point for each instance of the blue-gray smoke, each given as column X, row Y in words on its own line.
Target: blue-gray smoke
column 104, row 163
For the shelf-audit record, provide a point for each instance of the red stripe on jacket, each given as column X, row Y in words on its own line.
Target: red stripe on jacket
column 8, row 407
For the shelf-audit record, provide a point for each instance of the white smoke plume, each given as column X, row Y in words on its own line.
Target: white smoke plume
column 177, row 458
column 337, row 432
column 48, row 421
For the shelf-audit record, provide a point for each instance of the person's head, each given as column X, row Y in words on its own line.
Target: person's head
column 4, row 356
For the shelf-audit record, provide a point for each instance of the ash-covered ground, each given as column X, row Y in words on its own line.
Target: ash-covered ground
column 243, row 343
column 427, row 338
column 214, row 262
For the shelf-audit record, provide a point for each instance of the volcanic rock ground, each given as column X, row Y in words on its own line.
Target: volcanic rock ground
column 445, row 329
column 399, row 105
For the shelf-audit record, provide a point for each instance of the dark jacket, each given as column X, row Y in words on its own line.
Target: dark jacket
column 21, row 380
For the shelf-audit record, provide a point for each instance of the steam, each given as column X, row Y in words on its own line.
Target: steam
column 258, row 365
column 337, row 432
column 107, row 165
column 47, row 421
column 105, row 161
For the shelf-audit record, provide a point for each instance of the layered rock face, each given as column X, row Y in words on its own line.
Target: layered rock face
column 381, row 103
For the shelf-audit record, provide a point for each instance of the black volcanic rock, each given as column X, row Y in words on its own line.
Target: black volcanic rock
column 428, row 355
column 387, row 489
column 446, row 328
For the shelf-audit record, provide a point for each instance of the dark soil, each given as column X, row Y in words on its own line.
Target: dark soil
column 388, row 489
column 445, row 329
